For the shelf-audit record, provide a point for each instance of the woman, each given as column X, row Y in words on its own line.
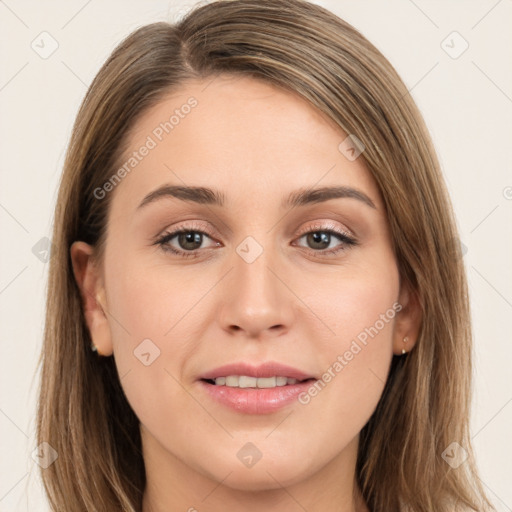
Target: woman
column 256, row 301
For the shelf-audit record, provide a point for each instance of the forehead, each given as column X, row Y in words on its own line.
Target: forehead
column 240, row 135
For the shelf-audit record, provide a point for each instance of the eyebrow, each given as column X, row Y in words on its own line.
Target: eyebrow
column 301, row 197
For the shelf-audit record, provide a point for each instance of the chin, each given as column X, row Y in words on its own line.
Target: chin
column 264, row 475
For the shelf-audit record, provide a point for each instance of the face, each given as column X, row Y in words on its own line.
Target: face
column 307, row 290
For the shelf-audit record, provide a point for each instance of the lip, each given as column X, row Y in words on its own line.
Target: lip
column 267, row 369
column 256, row 400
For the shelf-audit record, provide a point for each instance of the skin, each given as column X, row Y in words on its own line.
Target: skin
column 255, row 143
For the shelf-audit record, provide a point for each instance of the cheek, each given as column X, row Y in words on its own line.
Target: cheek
column 147, row 301
column 360, row 309
column 356, row 300
column 151, row 333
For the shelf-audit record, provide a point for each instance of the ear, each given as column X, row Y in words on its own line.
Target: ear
column 93, row 295
column 408, row 320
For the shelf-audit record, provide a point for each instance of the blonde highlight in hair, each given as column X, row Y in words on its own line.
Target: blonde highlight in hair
column 306, row 50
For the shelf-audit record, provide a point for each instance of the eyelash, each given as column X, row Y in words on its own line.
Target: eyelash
column 347, row 241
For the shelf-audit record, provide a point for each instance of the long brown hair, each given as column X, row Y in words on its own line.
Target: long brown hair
column 303, row 48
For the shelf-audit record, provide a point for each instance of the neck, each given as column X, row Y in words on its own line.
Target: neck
column 173, row 486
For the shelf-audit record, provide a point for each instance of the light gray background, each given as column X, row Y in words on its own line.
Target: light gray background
column 466, row 102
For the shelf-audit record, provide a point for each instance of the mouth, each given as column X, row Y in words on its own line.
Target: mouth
column 247, row 381
column 250, row 389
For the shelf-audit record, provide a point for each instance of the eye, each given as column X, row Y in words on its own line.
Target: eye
column 320, row 238
column 188, row 241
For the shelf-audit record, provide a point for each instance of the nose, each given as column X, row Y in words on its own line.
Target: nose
column 257, row 302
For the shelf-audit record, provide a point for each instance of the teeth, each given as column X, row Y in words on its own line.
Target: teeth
column 267, row 382
column 231, row 381
column 281, row 381
column 246, row 382
column 243, row 381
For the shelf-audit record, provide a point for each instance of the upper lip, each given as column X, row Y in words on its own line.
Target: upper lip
column 267, row 369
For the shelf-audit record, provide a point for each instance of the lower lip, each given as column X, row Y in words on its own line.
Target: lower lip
column 256, row 400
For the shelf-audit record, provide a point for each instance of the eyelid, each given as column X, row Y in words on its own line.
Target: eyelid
column 326, row 225
column 187, row 225
column 191, row 225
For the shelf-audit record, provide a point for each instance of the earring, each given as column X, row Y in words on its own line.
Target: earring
column 406, row 339
column 94, row 348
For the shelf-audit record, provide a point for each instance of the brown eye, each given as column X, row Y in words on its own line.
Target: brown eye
column 325, row 240
column 189, row 240
column 185, row 242
column 318, row 239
